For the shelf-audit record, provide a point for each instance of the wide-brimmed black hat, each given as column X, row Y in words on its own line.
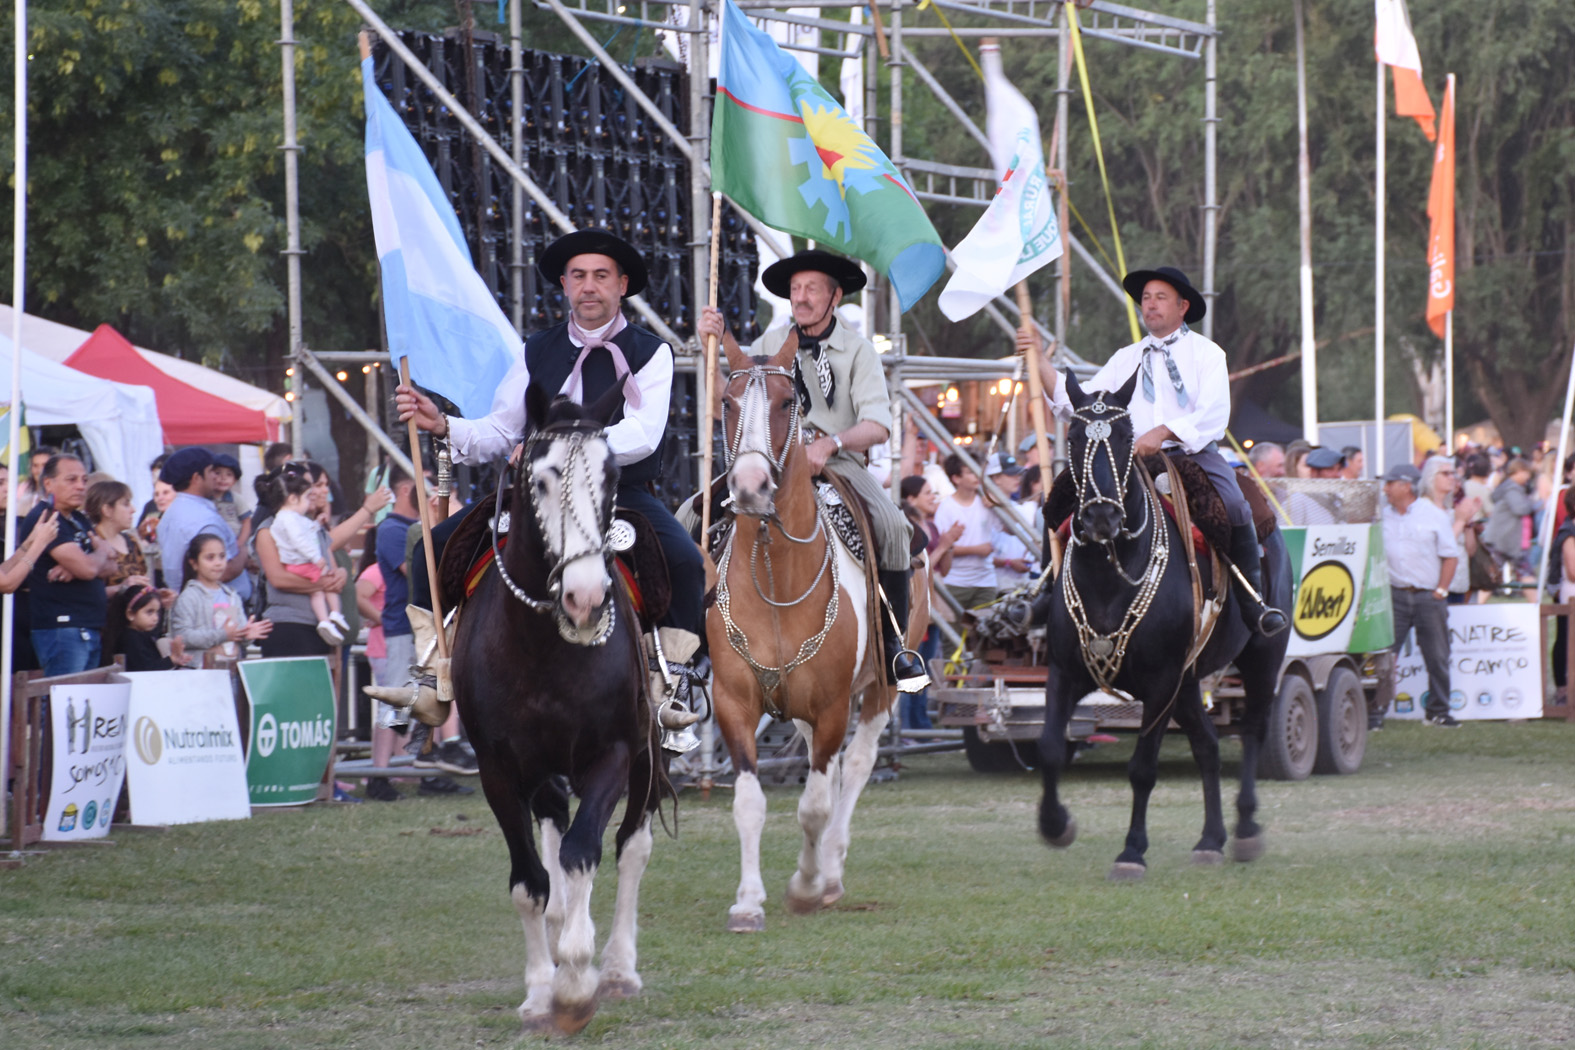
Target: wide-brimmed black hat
column 779, row 275
column 1137, row 280
column 556, row 258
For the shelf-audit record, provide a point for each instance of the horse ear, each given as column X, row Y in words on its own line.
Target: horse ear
column 784, row 356
column 1124, row 395
column 737, row 360
column 537, row 401
column 1074, row 390
column 604, row 407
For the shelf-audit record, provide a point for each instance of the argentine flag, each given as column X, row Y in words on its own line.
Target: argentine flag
column 438, row 310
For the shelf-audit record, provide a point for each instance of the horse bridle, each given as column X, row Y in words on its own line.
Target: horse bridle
column 575, row 474
column 755, row 380
column 1097, row 431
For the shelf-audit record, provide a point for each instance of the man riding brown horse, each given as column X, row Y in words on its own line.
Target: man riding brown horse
column 842, row 392
column 583, row 358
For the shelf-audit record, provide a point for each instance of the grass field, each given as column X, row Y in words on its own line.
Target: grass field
column 1428, row 901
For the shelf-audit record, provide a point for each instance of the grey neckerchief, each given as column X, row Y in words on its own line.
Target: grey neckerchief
column 1163, row 349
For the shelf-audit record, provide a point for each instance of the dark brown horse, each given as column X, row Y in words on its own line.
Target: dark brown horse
column 549, row 679
column 790, row 635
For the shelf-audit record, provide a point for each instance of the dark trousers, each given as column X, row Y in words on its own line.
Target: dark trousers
column 1430, row 617
column 684, row 565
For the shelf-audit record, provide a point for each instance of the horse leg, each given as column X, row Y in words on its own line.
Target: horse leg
column 529, row 889
column 806, row 885
column 574, row 986
column 551, row 807
column 620, row 977
column 857, row 764
column 1259, row 679
column 1142, row 772
column 1206, row 753
column 1056, row 825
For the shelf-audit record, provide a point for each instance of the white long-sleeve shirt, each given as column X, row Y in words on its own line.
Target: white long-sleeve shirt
column 632, row 438
column 1201, row 364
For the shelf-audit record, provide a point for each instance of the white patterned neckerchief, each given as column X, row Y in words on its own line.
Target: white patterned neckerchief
column 822, row 359
column 1163, row 350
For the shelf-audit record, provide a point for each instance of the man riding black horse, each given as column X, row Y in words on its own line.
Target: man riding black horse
column 1182, row 407
column 583, row 358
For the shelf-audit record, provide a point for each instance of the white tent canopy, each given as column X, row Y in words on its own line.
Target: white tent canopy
column 59, row 341
column 120, row 423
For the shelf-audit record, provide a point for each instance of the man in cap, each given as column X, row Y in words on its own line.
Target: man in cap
column 843, row 397
column 583, row 358
column 1181, row 406
column 191, row 514
column 1419, row 543
column 1318, row 508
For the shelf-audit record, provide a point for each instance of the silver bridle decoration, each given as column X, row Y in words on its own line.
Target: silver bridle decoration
column 755, row 384
column 575, row 473
column 1103, row 654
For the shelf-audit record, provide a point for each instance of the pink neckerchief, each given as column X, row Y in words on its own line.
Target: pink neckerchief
column 589, row 342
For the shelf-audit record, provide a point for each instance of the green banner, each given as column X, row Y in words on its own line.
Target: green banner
column 292, row 728
column 1375, row 618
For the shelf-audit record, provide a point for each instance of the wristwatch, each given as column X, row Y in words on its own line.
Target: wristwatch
column 836, row 439
column 1439, row 592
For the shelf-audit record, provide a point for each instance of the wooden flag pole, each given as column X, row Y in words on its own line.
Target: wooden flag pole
column 426, row 520
column 1036, row 413
column 707, row 438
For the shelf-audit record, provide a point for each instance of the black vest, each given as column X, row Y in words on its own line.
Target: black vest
column 549, row 355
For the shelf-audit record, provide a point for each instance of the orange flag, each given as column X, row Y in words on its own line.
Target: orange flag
column 1395, row 46
column 1441, row 215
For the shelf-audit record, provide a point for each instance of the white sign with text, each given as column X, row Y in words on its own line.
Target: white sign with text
column 185, row 763
column 89, row 753
column 1495, row 670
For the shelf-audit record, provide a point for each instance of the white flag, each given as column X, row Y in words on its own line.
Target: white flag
column 1018, row 233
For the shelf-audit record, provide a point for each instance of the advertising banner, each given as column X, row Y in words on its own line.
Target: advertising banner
column 185, row 762
column 292, row 728
column 1341, row 590
column 1495, row 670
column 89, row 754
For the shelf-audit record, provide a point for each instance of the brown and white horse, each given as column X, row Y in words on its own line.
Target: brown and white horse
column 789, row 636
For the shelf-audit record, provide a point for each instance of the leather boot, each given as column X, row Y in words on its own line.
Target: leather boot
column 1247, row 556
column 907, row 670
column 431, row 688
column 672, row 692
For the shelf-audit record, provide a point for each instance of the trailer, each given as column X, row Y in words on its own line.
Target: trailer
column 1338, row 671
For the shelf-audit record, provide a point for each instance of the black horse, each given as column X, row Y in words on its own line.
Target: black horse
column 549, row 680
column 1110, row 573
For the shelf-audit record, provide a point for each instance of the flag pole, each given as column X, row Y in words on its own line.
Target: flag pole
column 1036, row 414
column 14, row 416
column 1546, row 537
column 708, row 415
column 1449, row 316
column 427, row 520
column 1304, row 208
column 1378, row 288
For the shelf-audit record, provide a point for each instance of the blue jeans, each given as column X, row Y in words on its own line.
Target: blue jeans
column 916, row 706
column 66, row 650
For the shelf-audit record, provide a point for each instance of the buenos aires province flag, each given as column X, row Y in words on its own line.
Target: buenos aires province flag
column 1018, row 233
column 438, row 310
column 787, row 153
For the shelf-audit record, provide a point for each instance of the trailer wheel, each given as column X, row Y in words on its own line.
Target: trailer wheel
column 1291, row 746
column 1342, row 724
column 999, row 756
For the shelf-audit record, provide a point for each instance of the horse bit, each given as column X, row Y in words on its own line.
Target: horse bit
column 1103, row 654
column 604, row 541
column 770, row 678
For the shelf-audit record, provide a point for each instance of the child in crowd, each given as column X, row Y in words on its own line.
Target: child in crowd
column 209, row 614
column 303, row 548
column 131, row 629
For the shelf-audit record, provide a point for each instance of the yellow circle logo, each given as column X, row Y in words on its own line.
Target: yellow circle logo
column 1324, row 600
column 145, row 737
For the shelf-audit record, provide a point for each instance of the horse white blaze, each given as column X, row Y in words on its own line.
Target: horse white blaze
column 749, row 816
column 569, row 499
column 749, row 480
column 551, row 844
column 619, row 958
column 576, row 979
column 539, row 968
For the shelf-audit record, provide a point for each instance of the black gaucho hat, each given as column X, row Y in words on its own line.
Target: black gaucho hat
column 1135, row 282
column 779, row 275
column 556, row 258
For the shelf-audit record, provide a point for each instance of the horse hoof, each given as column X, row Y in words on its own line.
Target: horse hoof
column 1246, row 850
column 803, row 905
column 619, row 987
column 754, row 922
column 1066, row 838
column 1126, row 871
column 571, row 1018
column 537, row 1024
column 1207, row 858
column 832, row 895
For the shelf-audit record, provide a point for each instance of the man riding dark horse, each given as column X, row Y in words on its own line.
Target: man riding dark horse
column 583, row 358
column 842, row 391
column 1182, row 406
